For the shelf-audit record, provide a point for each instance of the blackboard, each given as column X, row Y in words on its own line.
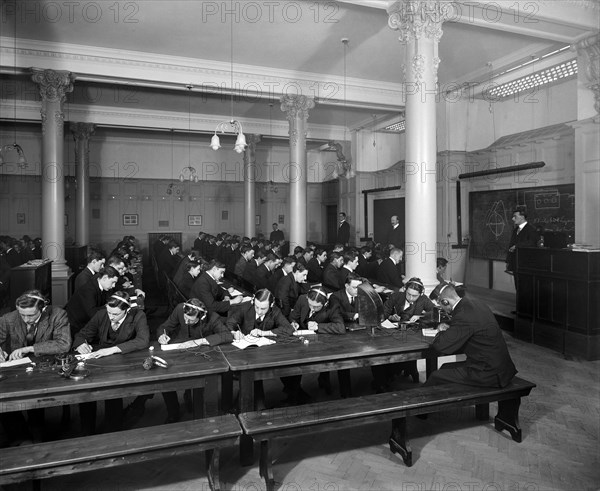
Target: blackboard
column 549, row 208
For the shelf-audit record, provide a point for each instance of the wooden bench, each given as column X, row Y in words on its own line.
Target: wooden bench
column 264, row 426
column 39, row 461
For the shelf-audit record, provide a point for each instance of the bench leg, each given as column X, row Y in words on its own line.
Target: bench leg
column 508, row 418
column 259, row 396
column 482, row 412
column 212, row 469
column 399, row 442
column 266, row 467
column 345, row 383
column 246, row 450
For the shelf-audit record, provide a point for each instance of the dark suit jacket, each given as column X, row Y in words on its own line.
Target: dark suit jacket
column 133, row 333
column 388, row 273
column 168, row 262
column 211, row 328
column 395, row 305
column 287, row 292
column 250, row 271
column 528, row 237
column 340, row 301
column 83, row 277
column 13, row 258
column 261, row 277
column 329, row 318
column 52, row 336
column 343, row 273
column 331, row 278
column 245, row 320
column 343, row 233
column 208, row 291
column 240, row 266
column 474, row 331
column 274, row 279
column 181, row 269
column 84, row 304
column 276, row 235
column 315, row 271
column 394, row 237
column 186, row 284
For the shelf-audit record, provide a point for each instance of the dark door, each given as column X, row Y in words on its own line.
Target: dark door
column 332, row 223
column 383, row 210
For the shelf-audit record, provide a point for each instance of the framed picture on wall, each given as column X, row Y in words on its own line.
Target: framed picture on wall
column 195, row 220
column 224, row 215
column 257, row 220
column 20, row 218
column 281, row 219
column 130, row 220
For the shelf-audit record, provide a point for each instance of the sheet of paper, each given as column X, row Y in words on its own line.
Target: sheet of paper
column 304, row 332
column 246, row 299
column 14, row 363
column 252, row 341
column 387, row 324
column 430, row 332
column 192, row 343
column 235, row 293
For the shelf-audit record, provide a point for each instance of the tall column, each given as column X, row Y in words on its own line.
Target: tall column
column 250, row 185
column 53, row 87
column 587, row 142
column 296, row 108
column 81, row 134
column 420, row 26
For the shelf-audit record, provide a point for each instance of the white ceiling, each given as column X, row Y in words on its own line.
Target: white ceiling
column 288, row 39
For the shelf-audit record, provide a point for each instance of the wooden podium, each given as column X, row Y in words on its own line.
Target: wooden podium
column 36, row 276
column 558, row 300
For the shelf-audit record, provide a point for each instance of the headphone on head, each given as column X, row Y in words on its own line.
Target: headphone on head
column 271, row 297
column 202, row 311
column 445, row 302
column 121, row 299
column 44, row 300
column 320, row 291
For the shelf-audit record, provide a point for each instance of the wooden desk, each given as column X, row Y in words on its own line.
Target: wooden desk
column 117, row 376
column 325, row 352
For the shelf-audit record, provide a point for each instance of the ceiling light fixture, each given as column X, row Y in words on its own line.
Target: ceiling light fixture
column 233, row 125
column 21, row 160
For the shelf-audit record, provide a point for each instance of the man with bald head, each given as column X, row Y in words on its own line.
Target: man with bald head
column 474, row 331
column 395, row 236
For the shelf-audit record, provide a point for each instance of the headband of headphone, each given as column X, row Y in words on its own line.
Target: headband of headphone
column 37, row 297
column 121, row 299
column 320, row 291
column 201, row 310
column 417, row 283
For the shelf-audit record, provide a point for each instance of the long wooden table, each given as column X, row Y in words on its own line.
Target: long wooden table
column 117, row 376
column 323, row 353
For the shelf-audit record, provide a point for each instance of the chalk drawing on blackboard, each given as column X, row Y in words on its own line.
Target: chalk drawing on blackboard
column 495, row 219
column 547, row 201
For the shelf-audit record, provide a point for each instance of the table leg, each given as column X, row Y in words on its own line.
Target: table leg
column 431, row 365
column 246, row 404
column 212, row 396
column 227, row 392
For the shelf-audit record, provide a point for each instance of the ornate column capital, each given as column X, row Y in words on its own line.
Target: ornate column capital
column 589, row 48
column 251, row 140
column 53, row 85
column 416, row 19
column 82, row 131
column 296, row 107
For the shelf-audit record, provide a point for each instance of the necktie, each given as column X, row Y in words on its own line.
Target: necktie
column 352, row 301
column 114, row 325
column 30, row 336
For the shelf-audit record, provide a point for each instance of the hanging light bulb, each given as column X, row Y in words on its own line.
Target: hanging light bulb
column 215, row 143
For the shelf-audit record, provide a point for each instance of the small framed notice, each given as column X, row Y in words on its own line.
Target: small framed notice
column 195, row 220
column 130, row 220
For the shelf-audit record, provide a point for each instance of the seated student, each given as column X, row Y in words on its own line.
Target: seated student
column 190, row 320
column 207, row 289
column 264, row 271
column 440, row 269
column 366, row 268
column 125, row 281
column 37, row 328
column 474, row 331
column 316, row 265
column 345, row 300
column 187, row 280
column 287, row 290
column 306, row 256
column 349, row 265
column 402, row 306
column 312, row 312
column 388, row 272
column 117, row 328
column 90, row 298
column 193, row 256
column 285, row 269
column 261, row 317
column 250, row 270
column 169, row 259
column 246, row 255
column 95, row 262
column 331, row 272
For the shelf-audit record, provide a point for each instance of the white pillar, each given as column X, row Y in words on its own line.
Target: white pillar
column 420, row 26
column 53, row 87
column 81, row 134
column 250, row 186
column 296, row 109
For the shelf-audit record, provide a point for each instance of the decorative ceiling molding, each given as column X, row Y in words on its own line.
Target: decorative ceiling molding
column 174, row 73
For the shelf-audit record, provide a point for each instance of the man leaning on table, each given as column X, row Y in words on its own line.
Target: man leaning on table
column 35, row 328
column 474, row 331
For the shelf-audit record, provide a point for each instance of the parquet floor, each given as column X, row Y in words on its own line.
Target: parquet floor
column 560, row 449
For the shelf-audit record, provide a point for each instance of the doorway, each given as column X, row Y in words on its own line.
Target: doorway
column 332, row 223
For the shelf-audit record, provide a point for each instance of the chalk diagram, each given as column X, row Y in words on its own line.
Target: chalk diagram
column 495, row 219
